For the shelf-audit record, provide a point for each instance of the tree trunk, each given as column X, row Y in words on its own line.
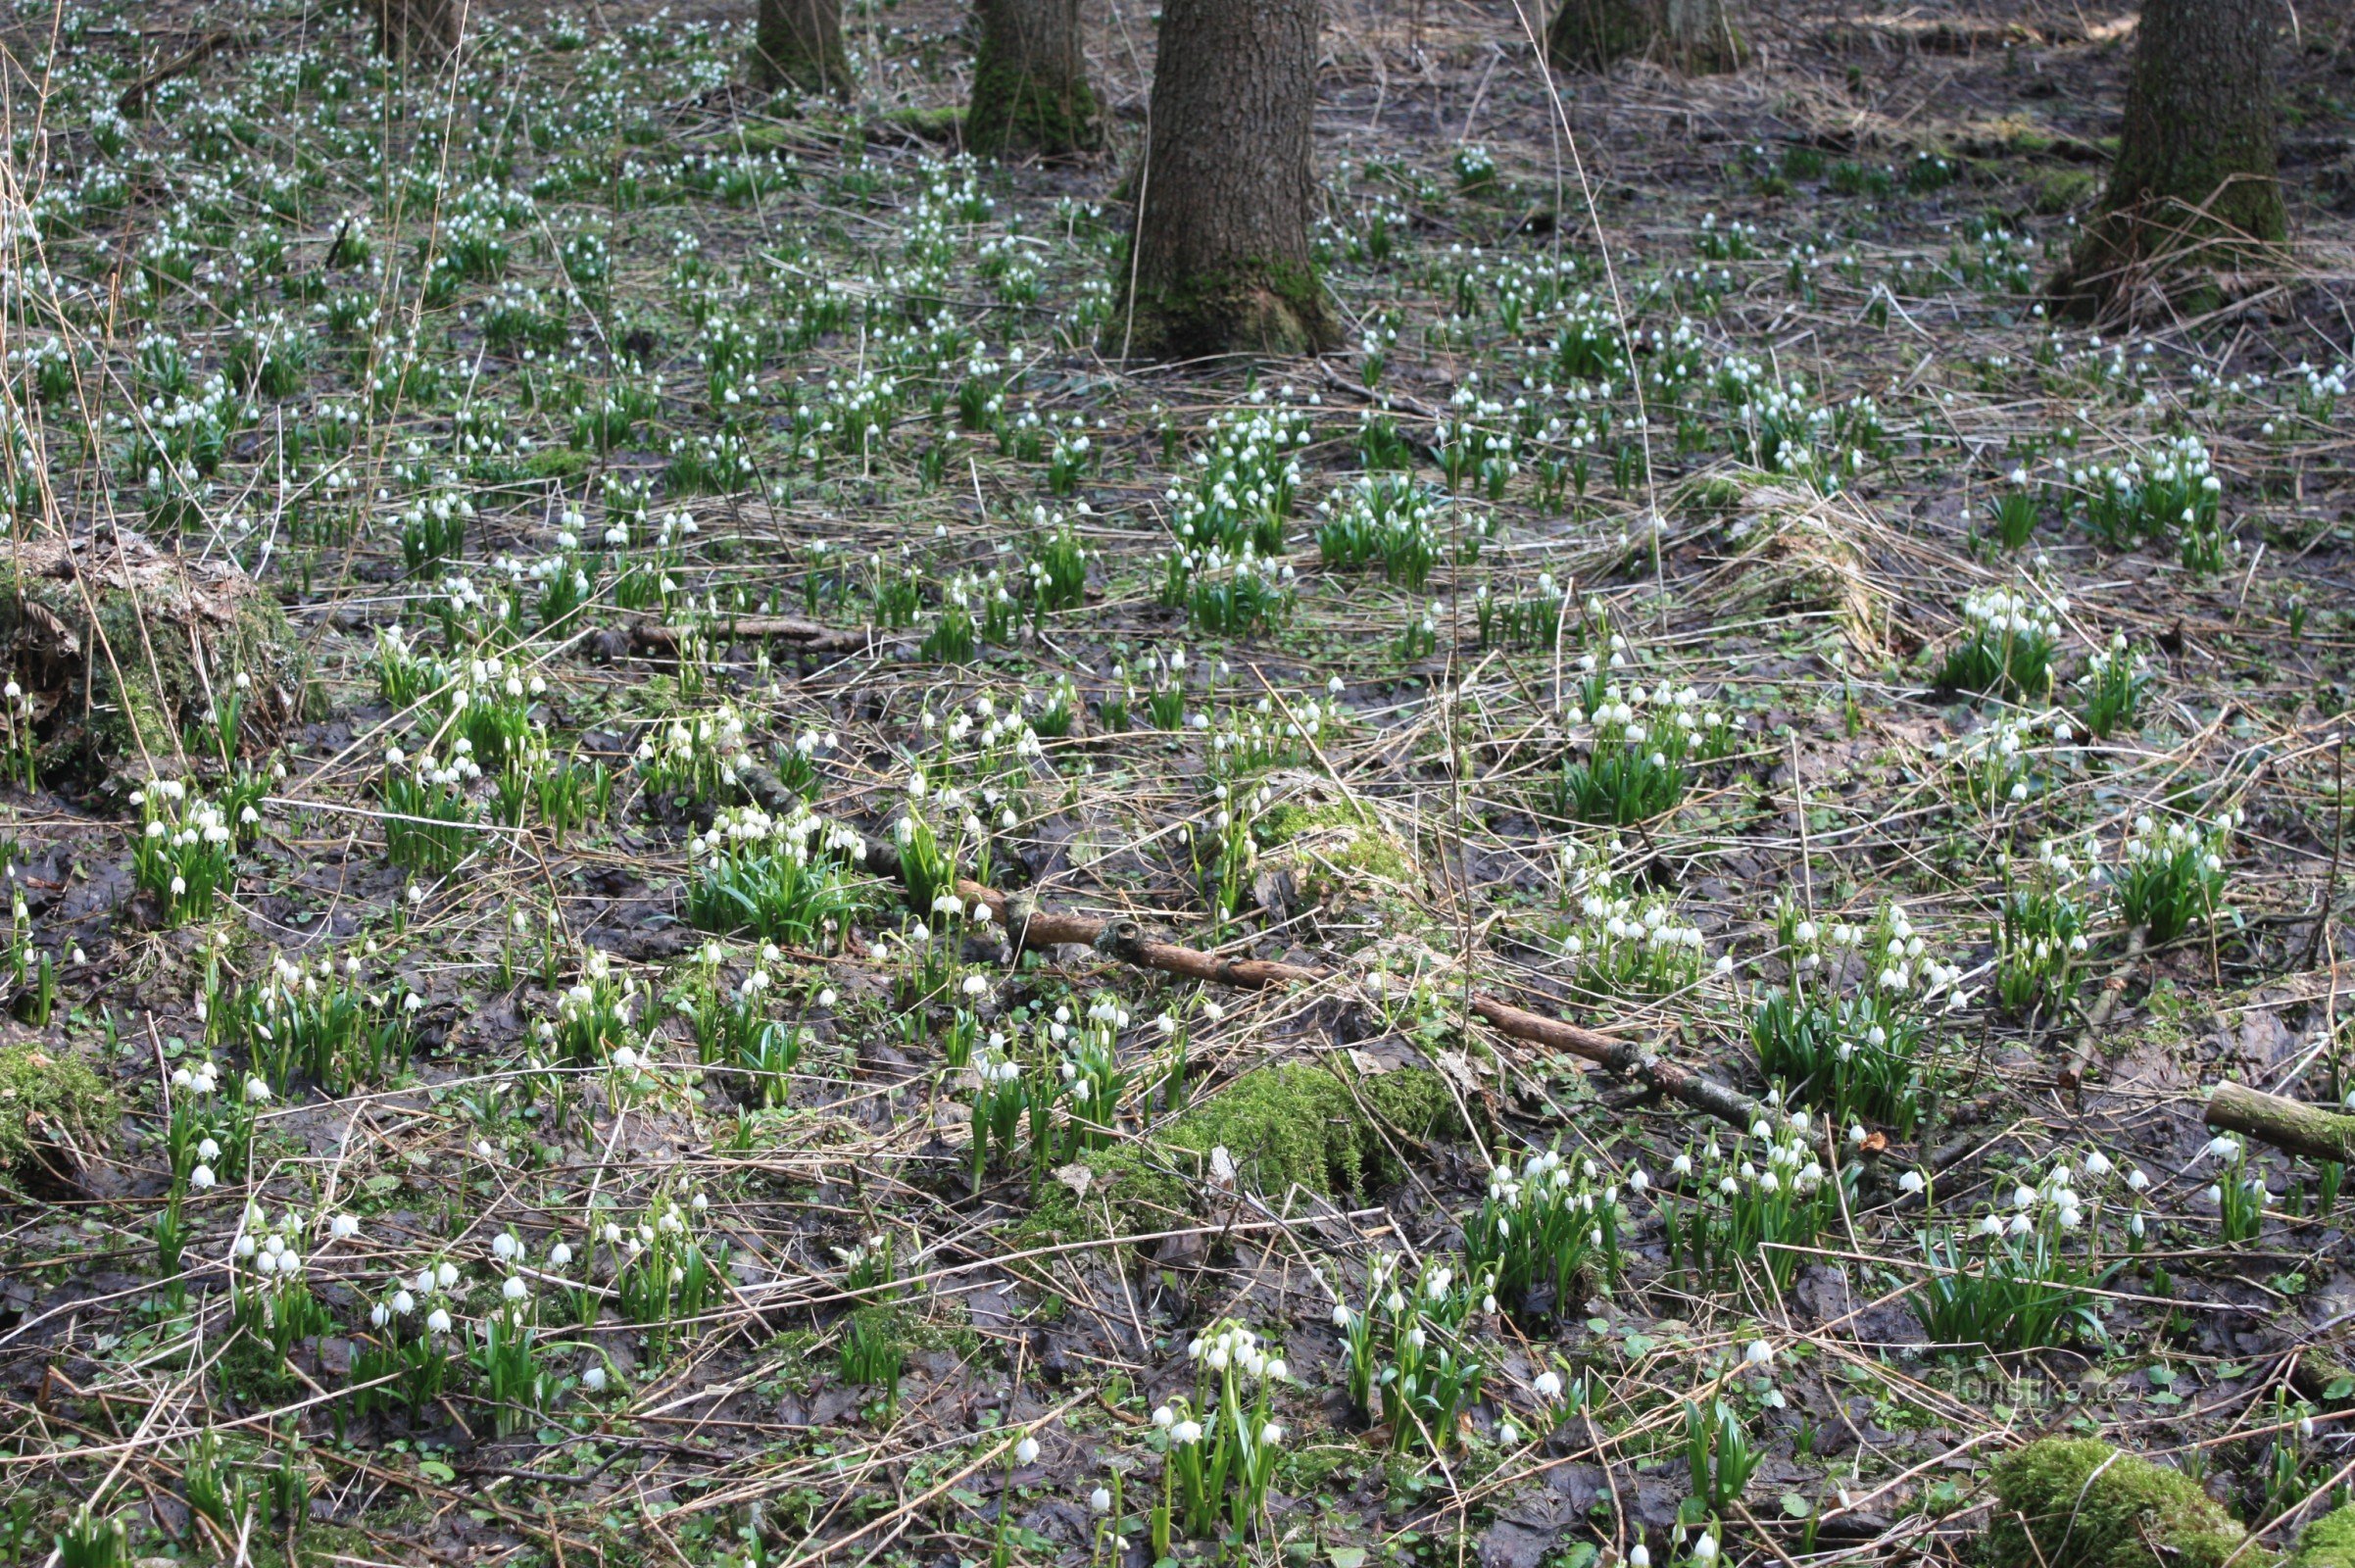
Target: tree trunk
column 417, row 29
column 1223, row 262
column 798, row 43
column 1691, row 36
column 2196, row 159
column 1030, row 81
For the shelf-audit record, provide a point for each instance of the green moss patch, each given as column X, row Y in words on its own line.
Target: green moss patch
column 1305, row 1126
column 47, row 1103
column 2329, row 1541
column 1294, row 1124
column 2073, row 1503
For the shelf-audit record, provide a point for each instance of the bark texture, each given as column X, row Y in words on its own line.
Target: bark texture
column 1223, row 262
column 417, row 29
column 798, row 43
column 2196, row 159
column 1691, row 35
column 1030, row 81
column 2289, row 1125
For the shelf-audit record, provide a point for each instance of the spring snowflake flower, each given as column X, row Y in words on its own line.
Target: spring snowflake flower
column 1026, row 1451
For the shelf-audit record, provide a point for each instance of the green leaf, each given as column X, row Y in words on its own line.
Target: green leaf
column 436, row 1470
column 1347, row 1556
column 1797, row 1506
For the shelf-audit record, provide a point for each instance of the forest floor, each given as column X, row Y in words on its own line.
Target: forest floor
column 530, row 586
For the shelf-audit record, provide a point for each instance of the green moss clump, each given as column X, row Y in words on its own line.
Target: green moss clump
column 2329, row 1541
column 1303, row 1125
column 2073, row 1503
column 1339, row 852
column 46, row 1100
column 1294, row 1124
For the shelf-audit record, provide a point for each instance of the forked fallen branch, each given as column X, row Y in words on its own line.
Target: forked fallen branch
column 1125, row 940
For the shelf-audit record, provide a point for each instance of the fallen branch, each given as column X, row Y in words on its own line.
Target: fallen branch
column 655, row 634
column 2290, row 1125
column 134, row 95
column 1124, row 939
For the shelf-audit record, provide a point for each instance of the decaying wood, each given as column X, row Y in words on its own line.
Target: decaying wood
column 2081, row 1055
column 661, row 635
column 2290, row 1125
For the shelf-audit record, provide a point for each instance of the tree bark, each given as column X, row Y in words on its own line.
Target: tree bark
column 2290, row 1125
column 1030, row 81
column 2196, row 160
column 798, row 43
column 417, row 29
column 1691, row 35
column 1223, row 262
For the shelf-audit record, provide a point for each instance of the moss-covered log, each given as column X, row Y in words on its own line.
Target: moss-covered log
column 121, row 651
column 2290, row 1125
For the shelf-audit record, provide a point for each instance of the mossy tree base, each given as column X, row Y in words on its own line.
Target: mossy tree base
column 120, row 649
column 1030, row 81
column 1013, row 114
column 797, row 44
column 1270, row 313
column 2168, row 253
column 2194, row 193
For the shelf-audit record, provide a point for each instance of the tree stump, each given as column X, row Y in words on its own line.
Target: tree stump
column 119, row 649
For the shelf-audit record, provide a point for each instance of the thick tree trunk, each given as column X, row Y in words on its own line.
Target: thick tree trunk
column 1223, row 262
column 1691, row 35
column 1030, row 81
column 417, row 29
column 798, row 43
column 2196, row 160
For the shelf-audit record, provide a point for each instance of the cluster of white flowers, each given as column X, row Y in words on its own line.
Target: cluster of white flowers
column 1251, row 469
column 1238, row 1347
column 2148, row 840
column 700, row 754
column 272, row 1250
column 2003, row 615
column 431, row 1288
column 1633, row 714
column 460, row 771
column 801, row 834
